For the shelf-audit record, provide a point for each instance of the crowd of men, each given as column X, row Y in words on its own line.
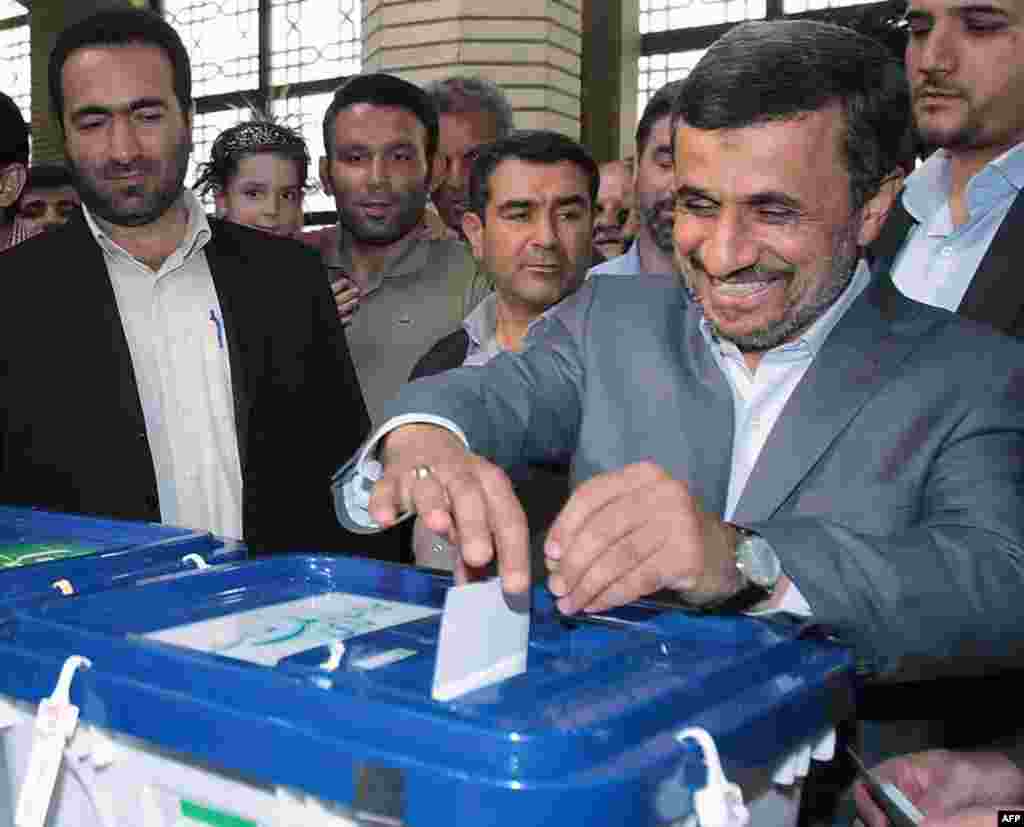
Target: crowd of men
column 757, row 366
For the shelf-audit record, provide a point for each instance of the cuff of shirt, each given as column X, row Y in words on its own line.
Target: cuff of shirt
column 792, row 602
column 353, row 483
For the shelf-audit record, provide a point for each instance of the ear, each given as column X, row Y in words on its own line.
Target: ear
column 221, row 202
column 875, row 211
column 473, row 228
column 12, row 182
column 325, row 175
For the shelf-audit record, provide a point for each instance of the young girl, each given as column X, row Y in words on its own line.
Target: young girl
column 257, row 172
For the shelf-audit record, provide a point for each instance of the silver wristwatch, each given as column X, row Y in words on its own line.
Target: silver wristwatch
column 759, row 569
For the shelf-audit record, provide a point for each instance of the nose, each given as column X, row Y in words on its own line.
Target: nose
column 379, row 172
column 51, row 218
column 457, row 171
column 545, row 233
column 124, row 141
column 936, row 49
column 725, row 246
column 272, row 205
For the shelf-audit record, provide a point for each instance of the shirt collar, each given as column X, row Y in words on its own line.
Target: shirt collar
column 481, row 325
column 927, row 188
column 814, row 337
column 410, row 257
column 632, row 256
column 197, row 232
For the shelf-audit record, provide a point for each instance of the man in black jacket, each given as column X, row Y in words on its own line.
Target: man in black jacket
column 155, row 364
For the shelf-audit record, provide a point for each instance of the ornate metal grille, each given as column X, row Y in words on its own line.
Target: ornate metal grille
column 10, row 8
column 15, row 60
column 665, row 15
column 303, row 48
column 223, row 42
column 282, row 57
column 675, row 33
column 657, row 70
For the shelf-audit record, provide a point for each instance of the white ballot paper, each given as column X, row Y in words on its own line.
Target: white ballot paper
column 483, row 639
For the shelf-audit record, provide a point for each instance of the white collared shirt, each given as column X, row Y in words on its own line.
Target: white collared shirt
column 759, row 397
column 938, row 261
column 174, row 327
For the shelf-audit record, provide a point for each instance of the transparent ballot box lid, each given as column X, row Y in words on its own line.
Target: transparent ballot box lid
column 240, row 669
column 45, row 553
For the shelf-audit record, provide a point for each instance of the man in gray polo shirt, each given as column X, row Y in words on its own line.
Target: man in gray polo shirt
column 397, row 291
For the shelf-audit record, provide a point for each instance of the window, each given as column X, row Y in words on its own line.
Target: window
column 15, row 61
column 666, row 15
column 286, row 62
column 674, row 34
column 657, row 70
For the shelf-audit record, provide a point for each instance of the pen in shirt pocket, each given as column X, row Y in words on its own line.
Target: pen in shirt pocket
column 218, row 328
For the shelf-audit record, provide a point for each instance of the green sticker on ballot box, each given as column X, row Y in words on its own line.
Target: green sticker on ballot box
column 27, row 554
column 198, row 814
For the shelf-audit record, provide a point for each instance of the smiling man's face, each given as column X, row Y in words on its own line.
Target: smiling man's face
column 765, row 233
column 377, row 171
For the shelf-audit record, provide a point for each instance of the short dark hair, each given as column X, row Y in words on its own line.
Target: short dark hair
column 466, row 93
column 657, row 108
column 47, row 177
column 120, row 27
column 13, row 133
column 381, row 89
column 535, row 146
column 778, row 70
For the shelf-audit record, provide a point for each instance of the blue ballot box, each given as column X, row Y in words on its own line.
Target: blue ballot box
column 224, row 699
column 44, row 553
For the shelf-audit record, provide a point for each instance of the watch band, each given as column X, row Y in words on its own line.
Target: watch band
column 750, row 593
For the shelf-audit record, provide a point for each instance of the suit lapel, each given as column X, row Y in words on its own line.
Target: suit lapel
column 100, row 339
column 709, row 451
column 859, row 356
column 996, row 293
column 228, row 264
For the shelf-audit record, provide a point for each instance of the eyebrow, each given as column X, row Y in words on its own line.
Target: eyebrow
column 526, row 203
column 958, row 11
column 133, row 106
column 350, row 146
column 757, row 199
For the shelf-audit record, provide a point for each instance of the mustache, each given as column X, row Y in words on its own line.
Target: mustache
column 120, row 169
column 761, row 271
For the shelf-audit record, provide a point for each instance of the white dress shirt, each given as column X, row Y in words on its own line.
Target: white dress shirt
column 759, row 398
column 174, row 327
column 938, row 261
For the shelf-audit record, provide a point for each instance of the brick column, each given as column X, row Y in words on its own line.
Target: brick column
column 531, row 48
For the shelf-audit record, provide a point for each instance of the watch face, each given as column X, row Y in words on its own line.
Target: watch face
column 758, row 561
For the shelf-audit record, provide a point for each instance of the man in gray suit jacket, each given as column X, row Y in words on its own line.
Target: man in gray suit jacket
column 798, row 438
